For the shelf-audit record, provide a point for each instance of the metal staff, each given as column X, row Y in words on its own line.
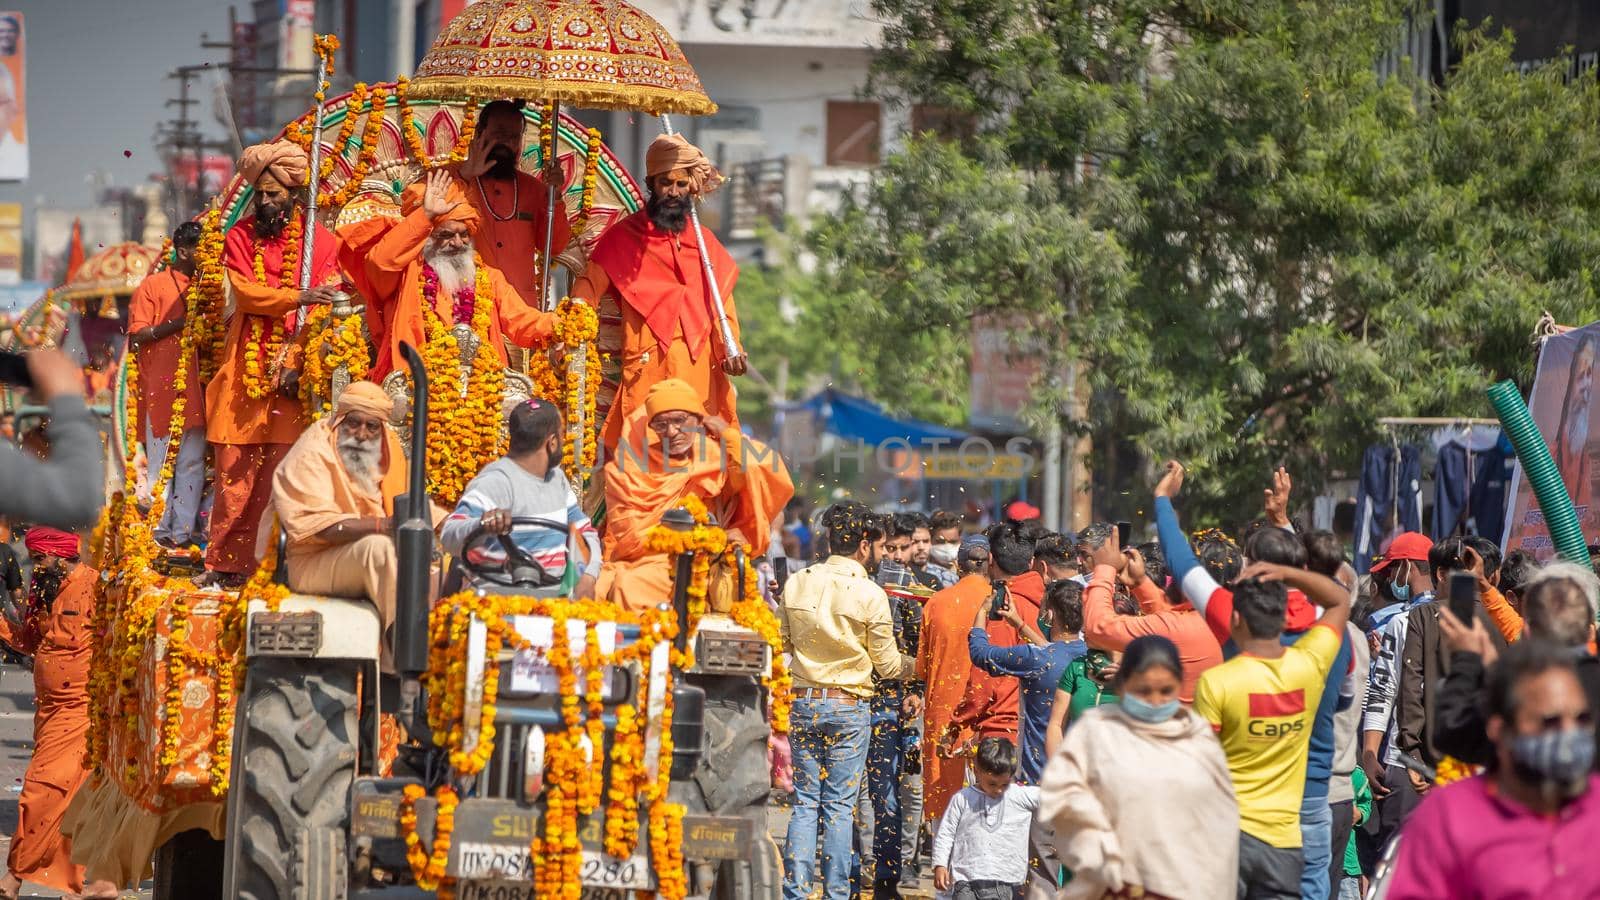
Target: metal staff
column 554, row 112
column 723, row 325
column 315, row 176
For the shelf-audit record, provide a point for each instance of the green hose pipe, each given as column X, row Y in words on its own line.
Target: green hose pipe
column 1540, row 470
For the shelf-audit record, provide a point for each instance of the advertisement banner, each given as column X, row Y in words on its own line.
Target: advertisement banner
column 13, row 107
column 768, row 23
column 10, row 243
column 1563, row 407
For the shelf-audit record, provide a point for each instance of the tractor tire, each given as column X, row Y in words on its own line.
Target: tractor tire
column 734, row 779
column 295, row 743
column 189, row 867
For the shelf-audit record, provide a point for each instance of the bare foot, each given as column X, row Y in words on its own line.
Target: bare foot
column 10, row 886
column 98, row 890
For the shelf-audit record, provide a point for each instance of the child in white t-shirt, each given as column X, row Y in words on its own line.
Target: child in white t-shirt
column 981, row 850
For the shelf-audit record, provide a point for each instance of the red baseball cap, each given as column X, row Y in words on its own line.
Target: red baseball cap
column 1022, row 511
column 1410, row 546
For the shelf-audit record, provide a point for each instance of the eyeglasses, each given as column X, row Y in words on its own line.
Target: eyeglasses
column 667, row 422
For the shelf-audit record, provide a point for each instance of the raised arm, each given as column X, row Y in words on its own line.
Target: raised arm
column 1197, row 583
column 65, row 490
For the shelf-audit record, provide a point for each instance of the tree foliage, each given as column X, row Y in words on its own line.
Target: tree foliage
column 1252, row 243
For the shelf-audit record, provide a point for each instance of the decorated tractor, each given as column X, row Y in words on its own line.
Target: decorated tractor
column 532, row 745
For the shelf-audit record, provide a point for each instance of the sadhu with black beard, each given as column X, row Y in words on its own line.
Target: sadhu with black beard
column 252, row 415
column 511, row 204
column 650, row 262
column 55, row 631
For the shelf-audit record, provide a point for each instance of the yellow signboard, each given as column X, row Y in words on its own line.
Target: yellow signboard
column 976, row 466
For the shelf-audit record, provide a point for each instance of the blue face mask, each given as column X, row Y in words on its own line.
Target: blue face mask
column 1401, row 590
column 1155, row 714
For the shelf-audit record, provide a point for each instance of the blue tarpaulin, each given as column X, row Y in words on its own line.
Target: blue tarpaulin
column 858, row 419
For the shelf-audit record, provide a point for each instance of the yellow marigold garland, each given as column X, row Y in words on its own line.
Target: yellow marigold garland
column 464, row 433
column 547, row 137
column 413, row 135
column 327, row 347
column 428, row 868
column 1451, row 770
column 753, row 613
column 591, row 182
column 260, row 350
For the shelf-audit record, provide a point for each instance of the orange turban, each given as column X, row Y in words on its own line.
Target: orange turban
column 672, row 395
column 671, row 151
column 465, row 213
column 283, row 160
column 364, row 397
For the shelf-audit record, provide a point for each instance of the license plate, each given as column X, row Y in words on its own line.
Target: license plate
column 501, row 865
column 501, row 890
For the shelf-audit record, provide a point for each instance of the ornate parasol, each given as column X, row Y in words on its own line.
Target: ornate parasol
column 595, row 54
column 109, row 275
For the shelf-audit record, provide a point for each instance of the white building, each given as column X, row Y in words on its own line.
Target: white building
column 793, row 129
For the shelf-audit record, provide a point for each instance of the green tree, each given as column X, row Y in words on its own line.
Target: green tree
column 1252, row 243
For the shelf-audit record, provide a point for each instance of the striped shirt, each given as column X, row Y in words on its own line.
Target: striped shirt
column 503, row 484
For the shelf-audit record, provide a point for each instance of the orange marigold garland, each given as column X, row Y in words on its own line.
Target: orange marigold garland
column 591, row 182
column 260, row 349
column 1451, row 770
column 428, row 866
column 413, row 134
column 465, row 430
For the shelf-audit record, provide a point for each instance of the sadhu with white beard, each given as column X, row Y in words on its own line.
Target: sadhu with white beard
column 426, row 266
column 334, row 497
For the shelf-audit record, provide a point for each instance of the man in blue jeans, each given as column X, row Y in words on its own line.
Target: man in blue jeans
column 839, row 631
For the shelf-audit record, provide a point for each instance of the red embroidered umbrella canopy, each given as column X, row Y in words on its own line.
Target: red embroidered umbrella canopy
column 595, row 54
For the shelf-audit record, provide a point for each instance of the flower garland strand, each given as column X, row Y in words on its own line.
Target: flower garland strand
column 261, row 352
column 413, row 133
column 428, row 866
column 591, row 183
column 465, row 430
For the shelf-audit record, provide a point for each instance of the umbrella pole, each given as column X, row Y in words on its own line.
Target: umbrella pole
column 314, row 182
column 729, row 342
column 550, row 189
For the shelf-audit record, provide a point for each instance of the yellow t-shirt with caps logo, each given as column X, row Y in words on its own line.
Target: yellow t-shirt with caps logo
column 1263, row 711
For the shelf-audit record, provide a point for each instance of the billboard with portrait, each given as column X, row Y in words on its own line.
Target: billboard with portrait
column 1563, row 406
column 13, row 111
column 769, row 23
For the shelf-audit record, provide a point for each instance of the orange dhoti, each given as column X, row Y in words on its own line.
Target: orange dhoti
column 243, row 494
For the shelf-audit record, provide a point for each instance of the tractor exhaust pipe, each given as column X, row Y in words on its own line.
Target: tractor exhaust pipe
column 414, row 538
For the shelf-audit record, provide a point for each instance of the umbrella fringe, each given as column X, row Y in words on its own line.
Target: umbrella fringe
column 640, row 98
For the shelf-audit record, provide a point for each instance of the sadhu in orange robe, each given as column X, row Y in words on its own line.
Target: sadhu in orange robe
column 668, row 328
column 394, row 268
column 58, row 639
column 742, row 482
column 249, row 436
column 512, row 237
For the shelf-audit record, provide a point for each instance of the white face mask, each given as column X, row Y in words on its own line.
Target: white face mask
column 943, row 554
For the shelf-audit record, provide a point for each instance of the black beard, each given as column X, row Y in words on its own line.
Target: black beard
column 668, row 215
column 43, row 588
column 503, row 165
column 271, row 222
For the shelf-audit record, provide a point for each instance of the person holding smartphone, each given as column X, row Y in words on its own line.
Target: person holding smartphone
column 67, row 488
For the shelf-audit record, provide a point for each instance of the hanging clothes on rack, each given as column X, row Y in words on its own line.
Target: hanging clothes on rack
column 1469, row 482
column 1389, row 500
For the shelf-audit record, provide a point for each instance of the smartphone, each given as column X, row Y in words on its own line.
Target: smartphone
column 780, row 572
column 997, row 601
column 1124, row 534
column 1463, row 596
column 14, row 370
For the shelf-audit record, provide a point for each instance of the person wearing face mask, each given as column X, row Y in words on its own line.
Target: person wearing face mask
column 1134, row 782
column 1404, row 578
column 944, row 528
column 1529, row 825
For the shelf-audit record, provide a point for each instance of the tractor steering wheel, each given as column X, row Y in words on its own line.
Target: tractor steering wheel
column 518, row 568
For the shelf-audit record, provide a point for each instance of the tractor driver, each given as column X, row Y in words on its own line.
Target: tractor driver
column 334, row 496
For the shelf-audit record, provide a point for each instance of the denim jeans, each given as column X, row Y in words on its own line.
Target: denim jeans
column 1316, row 846
column 829, row 738
column 885, row 764
column 1350, row 888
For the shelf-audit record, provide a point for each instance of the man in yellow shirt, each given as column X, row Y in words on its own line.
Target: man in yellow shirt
column 838, row 630
column 1263, row 704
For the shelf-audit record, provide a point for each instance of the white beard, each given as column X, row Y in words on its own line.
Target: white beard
column 455, row 268
column 361, row 460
